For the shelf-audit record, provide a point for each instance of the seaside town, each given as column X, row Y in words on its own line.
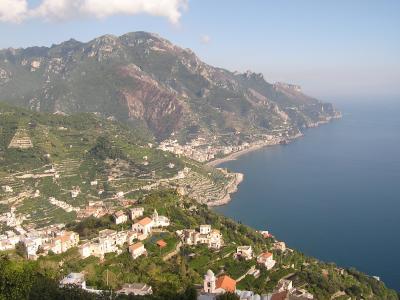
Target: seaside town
column 56, row 239
column 201, row 150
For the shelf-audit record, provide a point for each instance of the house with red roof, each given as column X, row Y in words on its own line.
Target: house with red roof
column 144, row 226
column 266, row 259
column 221, row 285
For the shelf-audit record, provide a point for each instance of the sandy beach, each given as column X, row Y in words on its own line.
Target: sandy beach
column 235, row 155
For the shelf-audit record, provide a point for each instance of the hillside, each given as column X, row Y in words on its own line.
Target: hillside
column 61, row 174
column 52, row 166
column 171, row 276
column 145, row 80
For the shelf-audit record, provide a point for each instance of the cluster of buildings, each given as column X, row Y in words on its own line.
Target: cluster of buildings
column 96, row 209
column 214, row 286
column 64, row 205
column 196, row 149
column 265, row 259
column 199, row 149
column 111, row 241
column 8, row 240
column 286, row 291
column 108, row 241
column 205, row 235
column 11, row 219
column 40, row 242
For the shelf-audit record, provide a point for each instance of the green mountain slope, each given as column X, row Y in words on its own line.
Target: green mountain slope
column 174, row 276
column 46, row 155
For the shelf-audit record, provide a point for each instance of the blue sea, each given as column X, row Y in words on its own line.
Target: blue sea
column 333, row 194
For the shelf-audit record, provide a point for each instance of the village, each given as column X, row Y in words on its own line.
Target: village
column 201, row 150
column 138, row 230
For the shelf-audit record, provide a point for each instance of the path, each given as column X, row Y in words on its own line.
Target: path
column 173, row 253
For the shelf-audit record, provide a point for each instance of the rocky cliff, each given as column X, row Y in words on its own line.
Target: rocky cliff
column 147, row 81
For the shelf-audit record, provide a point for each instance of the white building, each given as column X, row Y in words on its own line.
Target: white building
column 205, row 229
column 280, row 246
column 144, row 226
column 62, row 243
column 215, row 240
column 75, row 279
column 32, row 245
column 137, row 250
column 221, row 285
column 90, row 249
column 120, row 217
column 245, row 252
column 136, row 212
column 211, row 237
column 75, row 192
column 284, row 285
column 209, row 283
column 107, row 241
column 266, row 259
column 137, row 289
column 160, row 221
column 7, row 189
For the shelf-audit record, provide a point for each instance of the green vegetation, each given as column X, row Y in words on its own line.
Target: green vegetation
column 80, row 149
column 84, row 148
column 179, row 273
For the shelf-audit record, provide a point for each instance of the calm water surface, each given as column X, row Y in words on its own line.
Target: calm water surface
column 334, row 194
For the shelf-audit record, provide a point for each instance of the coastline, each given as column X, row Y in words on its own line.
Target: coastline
column 235, row 155
column 239, row 177
column 233, row 186
column 256, row 146
column 230, row 189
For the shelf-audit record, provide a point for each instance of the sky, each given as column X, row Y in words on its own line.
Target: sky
column 333, row 49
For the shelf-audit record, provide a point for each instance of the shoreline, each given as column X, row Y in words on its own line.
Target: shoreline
column 235, row 155
column 233, row 186
column 257, row 145
column 230, row 189
column 239, row 177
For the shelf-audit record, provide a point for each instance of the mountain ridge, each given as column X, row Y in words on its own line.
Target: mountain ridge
column 146, row 80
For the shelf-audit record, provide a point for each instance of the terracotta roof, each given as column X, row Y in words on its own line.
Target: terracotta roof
column 161, row 243
column 280, row 296
column 135, row 246
column 145, row 221
column 226, row 283
column 266, row 255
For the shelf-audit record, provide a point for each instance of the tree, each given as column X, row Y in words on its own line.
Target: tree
column 228, row 296
column 109, row 279
column 21, row 250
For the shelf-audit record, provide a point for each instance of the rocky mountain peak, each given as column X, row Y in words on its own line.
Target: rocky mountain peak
column 146, row 80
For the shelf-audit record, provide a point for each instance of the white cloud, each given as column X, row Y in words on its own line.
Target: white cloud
column 205, row 39
column 69, row 9
column 13, row 10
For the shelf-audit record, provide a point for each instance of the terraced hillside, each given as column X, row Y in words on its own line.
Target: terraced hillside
column 71, row 161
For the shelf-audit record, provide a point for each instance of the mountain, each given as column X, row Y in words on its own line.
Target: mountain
column 145, row 80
